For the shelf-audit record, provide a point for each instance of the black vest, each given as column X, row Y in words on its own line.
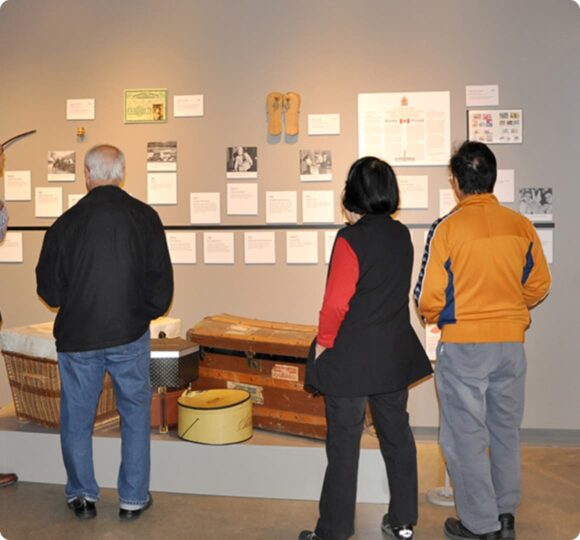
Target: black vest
column 376, row 349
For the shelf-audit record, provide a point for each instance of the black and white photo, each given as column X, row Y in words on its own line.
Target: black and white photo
column 242, row 162
column 315, row 165
column 61, row 166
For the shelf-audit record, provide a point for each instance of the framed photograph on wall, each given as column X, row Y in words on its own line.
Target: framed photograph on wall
column 496, row 126
column 145, row 105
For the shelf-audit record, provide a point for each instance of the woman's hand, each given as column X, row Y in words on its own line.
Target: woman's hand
column 319, row 350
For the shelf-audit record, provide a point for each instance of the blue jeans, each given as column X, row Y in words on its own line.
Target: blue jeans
column 481, row 395
column 81, row 376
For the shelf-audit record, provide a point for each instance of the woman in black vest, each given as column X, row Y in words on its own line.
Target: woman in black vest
column 365, row 350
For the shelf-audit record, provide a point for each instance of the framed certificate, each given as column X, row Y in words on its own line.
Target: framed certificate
column 145, row 105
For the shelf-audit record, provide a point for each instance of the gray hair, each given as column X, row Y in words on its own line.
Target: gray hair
column 104, row 164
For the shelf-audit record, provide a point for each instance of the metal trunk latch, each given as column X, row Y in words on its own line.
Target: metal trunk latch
column 253, row 362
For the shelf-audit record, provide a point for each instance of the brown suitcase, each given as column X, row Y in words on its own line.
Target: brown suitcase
column 267, row 359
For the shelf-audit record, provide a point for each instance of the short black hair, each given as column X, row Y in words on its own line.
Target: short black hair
column 371, row 187
column 475, row 168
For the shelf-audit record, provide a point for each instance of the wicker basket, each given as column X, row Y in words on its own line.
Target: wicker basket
column 35, row 385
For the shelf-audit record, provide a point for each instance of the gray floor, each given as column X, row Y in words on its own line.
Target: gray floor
column 550, row 509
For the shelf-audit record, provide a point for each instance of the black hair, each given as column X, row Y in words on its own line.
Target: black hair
column 371, row 187
column 475, row 168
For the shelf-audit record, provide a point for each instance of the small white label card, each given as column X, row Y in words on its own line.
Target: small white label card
column 80, row 109
column 162, row 188
column 281, row 207
column 47, row 202
column 414, row 191
column 318, row 206
column 329, row 238
column 446, row 201
column 242, row 199
column 547, row 238
column 302, row 247
column 182, row 247
column 190, row 105
column 218, row 247
column 17, row 186
column 204, row 208
column 260, row 247
column 324, row 124
column 482, row 95
column 11, row 248
column 74, row 198
column 504, row 188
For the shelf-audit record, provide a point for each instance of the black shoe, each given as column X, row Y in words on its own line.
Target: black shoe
column 82, row 508
column 454, row 530
column 308, row 535
column 128, row 515
column 508, row 526
column 404, row 531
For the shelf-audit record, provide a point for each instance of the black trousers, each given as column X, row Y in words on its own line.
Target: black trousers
column 345, row 420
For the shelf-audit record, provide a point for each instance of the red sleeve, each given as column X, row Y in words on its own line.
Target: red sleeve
column 340, row 288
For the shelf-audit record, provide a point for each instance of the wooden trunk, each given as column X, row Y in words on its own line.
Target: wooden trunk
column 267, row 359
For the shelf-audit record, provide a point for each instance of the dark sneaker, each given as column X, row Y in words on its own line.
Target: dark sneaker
column 82, row 508
column 508, row 526
column 128, row 515
column 455, row 530
column 308, row 535
column 404, row 531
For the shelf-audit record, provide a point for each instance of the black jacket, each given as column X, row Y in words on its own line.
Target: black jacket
column 376, row 350
column 106, row 265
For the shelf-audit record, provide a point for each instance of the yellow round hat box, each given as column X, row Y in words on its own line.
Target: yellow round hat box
column 219, row 416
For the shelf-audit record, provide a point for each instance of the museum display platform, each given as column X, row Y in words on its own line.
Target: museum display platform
column 269, row 465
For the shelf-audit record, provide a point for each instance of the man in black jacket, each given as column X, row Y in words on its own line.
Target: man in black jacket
column 105, row 264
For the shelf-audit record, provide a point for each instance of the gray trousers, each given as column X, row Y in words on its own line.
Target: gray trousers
column 481, row 397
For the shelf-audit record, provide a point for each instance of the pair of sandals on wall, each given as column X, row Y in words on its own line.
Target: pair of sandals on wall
column 289, row 104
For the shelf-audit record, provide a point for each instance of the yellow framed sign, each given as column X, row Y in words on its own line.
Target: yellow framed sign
column 145, row 105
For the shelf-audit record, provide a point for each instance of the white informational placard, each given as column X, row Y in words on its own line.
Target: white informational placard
column 486, row 95
column 329, row 238
column 11, row 248
column 47, row 202
column 504, row 188
column 447, row 201
column 17, row 186
column 281, row 207
column 80, row 109
column 414, row 191
column 318, row 206
column 242, row 199
column 496, row 126
column 162, row 188
column 187, row 106
column 405, row 128
column 432, row 337
column 218, row 247
column 547, row 238
column 182, row 247
column 260, row 247
column 302, row 247
column 74, row 198
column 204, row 208
column 324, row 124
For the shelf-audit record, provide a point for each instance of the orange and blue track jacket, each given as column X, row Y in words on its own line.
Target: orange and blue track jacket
column 482, row 270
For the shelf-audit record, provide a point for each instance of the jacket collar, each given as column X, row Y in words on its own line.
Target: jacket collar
column 480, row 198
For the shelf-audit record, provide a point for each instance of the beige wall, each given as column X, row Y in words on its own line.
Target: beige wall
column 235, row 53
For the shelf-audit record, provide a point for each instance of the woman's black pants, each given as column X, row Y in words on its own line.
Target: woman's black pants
column 345, row 420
